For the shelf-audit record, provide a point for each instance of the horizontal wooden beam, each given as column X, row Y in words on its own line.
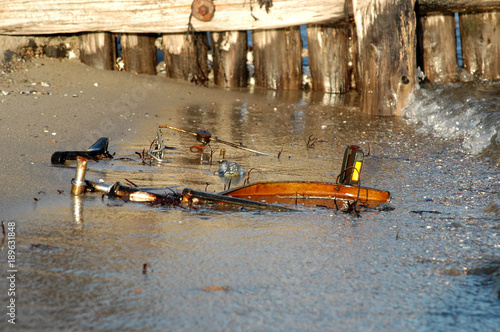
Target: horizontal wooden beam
column 456, row 6
column 32, row 17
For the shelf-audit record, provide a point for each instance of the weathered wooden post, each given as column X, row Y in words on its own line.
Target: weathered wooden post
column 439, row 47
column 480, row 34
column 98, row 49
column 387, row 54
column 278, row 58
column 186, row 56
column 329, row 57
column 139, row 53
column 229, row 54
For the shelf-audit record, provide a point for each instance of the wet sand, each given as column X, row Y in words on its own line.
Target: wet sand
column 81, row 259
column 49, row 105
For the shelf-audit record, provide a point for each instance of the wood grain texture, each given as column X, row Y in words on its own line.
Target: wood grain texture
column 98, row 50
column 229, row 58
column 26, row 17
column 139, row 53
column 456, row 6
column 439, row 48
column 278, row 59
column 386, row 45
column 481, row 44
column 329, row 57
column 186, row 58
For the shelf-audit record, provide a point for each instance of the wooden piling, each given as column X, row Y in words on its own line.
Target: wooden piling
column 387, row 54
column 98, row 49
column 480, row 33
column 384, row 62
column 354, row 59
column 278, row 58
column 139, row 53
column 229, row 58
column 438, row 47
column 186, row 56
column 329, row 57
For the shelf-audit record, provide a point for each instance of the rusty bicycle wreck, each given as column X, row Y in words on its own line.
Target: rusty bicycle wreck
column 345, row 194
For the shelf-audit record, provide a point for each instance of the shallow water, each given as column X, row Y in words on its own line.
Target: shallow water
column 317, row 269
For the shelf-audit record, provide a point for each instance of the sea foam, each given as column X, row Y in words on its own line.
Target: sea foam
column 468, row 112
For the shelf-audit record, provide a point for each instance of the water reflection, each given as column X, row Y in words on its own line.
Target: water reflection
column 307, row 271
column 307, row 97
column 78, row 208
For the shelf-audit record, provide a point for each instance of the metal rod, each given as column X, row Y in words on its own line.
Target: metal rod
column 234, row 145
column 151, row 154
column 100, row 187
column 188, row 194
column 181, row 130
column 78, row 185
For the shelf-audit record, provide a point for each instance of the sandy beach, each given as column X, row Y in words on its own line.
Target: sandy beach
column 49, row 105
column 428, row 262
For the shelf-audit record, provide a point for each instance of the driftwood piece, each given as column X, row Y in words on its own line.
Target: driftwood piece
column 139, row 53
column 329, row 57
column 229, row 58
column 186, row 56
column 387, row 54
column 278, row 58
column 98, row 49
column 438, row 47
column 480, row 35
